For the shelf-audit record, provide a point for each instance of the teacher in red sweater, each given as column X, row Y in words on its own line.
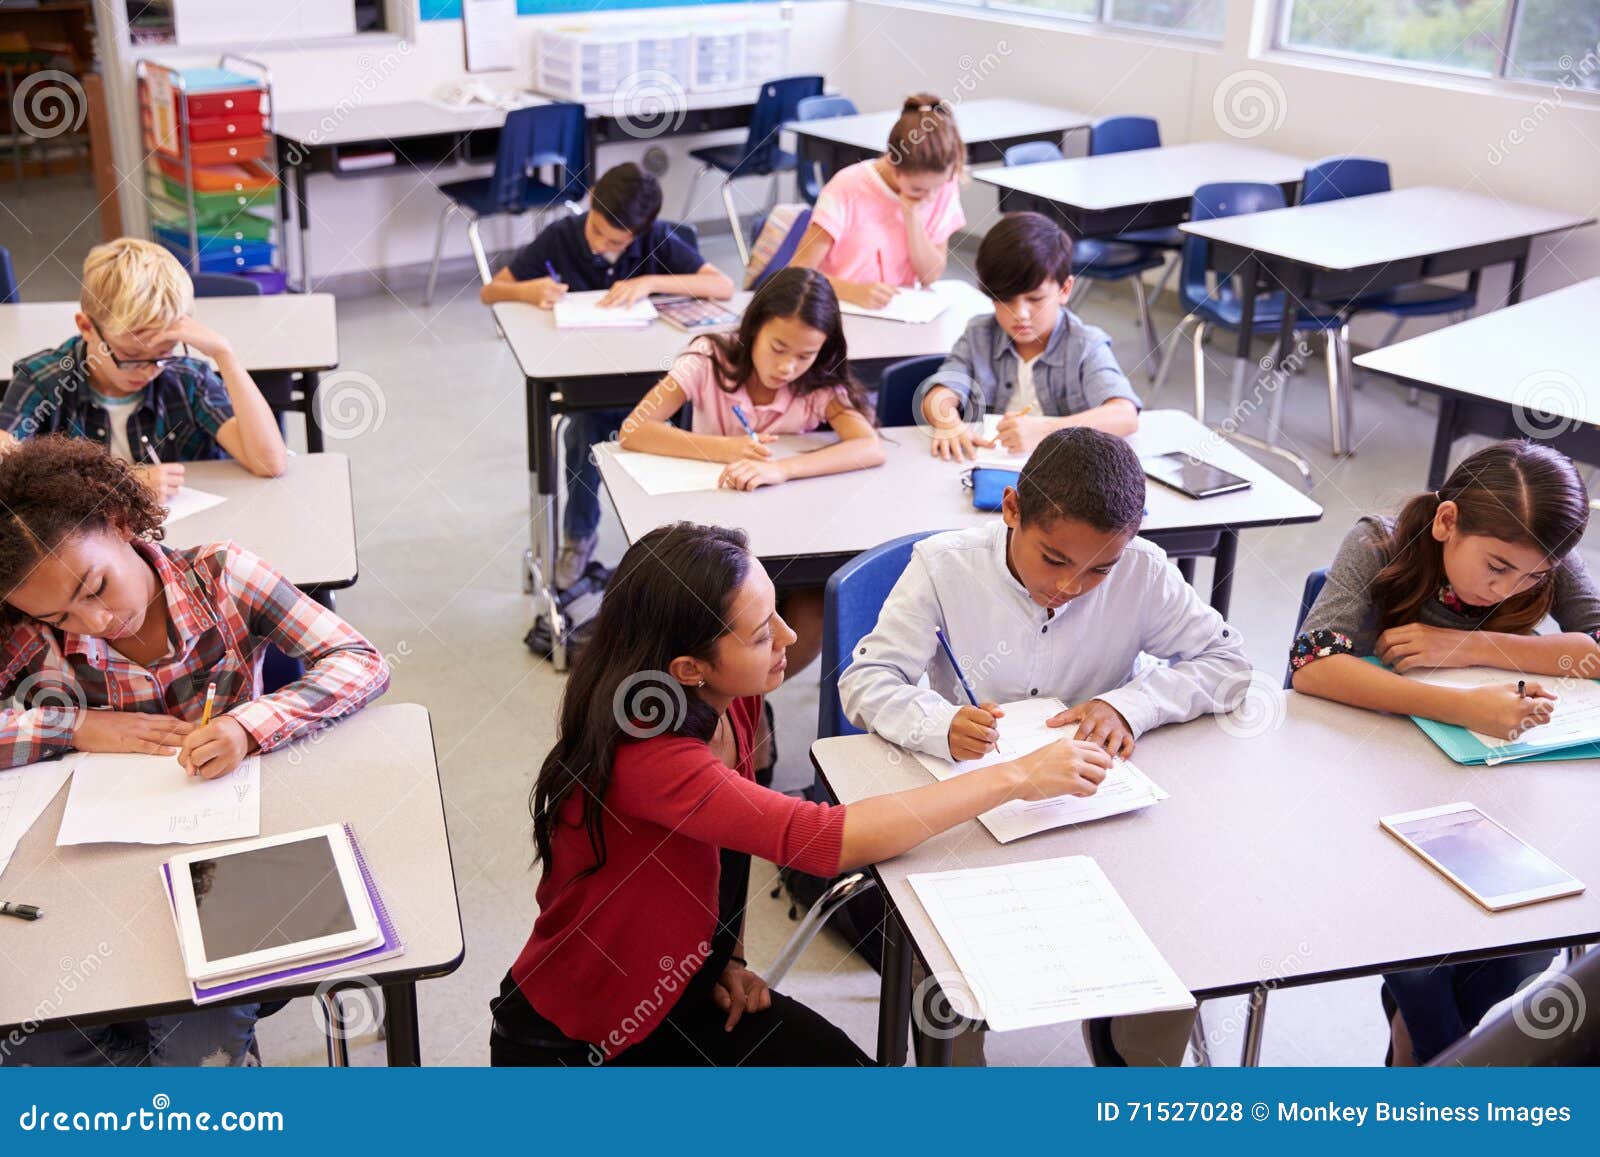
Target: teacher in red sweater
column 646, row 813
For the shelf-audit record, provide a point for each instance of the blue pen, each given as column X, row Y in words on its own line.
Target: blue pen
column 738, row 412
column 551, row 270
column 950, row 654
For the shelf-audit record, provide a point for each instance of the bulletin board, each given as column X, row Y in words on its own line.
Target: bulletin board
column 451, row 9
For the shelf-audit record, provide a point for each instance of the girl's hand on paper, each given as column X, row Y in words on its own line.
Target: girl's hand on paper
column 748, row 475
column 129, row 731
column 738, row 991
column 972, row 731
column 1099, row 723
column 1498, row 710
column 1418, row 645
column 870, row 294
column 1065, row 767
column 740, row 448
column 215, row 749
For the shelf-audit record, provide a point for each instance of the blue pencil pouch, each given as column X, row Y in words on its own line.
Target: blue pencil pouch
column 988, row 485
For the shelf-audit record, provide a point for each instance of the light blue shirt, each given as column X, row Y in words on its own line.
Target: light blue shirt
column 1142, row 640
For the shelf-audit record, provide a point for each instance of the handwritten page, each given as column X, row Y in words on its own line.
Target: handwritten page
column 150, row 799
column 1576, row 718
column 583, row 311
column 189, row 501
column 665, row 474
column 1044, row 942
column 912, row 306
column 24, row 794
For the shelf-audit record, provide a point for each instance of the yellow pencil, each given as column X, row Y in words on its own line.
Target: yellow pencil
column 211, row 698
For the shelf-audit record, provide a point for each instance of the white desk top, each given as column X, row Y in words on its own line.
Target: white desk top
column 302, row 522
column 393, row 121
column 1407, row 223
column 281, row 331
column 1268, row 863
column 977, row 120
column 914, row 492
column 1145, row 176
column 1543, row 353
column 543, row 351
column 108, row 924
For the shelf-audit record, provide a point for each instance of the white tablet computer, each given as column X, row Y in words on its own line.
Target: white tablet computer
column 1480, row 857
column 252, row 906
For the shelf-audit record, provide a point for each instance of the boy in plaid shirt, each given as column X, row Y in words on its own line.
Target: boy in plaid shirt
column 109, row 640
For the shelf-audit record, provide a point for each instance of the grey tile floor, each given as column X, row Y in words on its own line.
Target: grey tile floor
column 441, row 503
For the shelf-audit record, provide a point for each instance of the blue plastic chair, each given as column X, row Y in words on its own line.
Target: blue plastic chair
column 224, row 285
column 1128, row 134
column 897, row 389
column 276, row 386
column 1222, row 308
column 759, row 155
column 551, row 135
column 785, row 250
column 8, row 279
column 1096, row 260
column 1315, row 581
column 816, row 108
column 1335, row 178
column 850, row 605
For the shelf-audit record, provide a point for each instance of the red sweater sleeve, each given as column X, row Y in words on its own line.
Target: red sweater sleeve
column 680, row 785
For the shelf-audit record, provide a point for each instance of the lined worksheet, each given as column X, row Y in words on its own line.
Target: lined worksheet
column 189, row 501
column 1022, row 730
column 150, row 799
column 912, row 306
column 666, row 474
column 1044, row 942
column 24, row 794
column 582, row 310
column 1576, row 718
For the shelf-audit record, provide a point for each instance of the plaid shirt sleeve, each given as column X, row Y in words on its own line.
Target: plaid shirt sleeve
column 343, row 673
column 24, row 398
column 207, row 397
column 30, row 733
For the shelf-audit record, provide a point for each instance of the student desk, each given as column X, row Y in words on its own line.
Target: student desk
column 592, row 369
column 283, row 332
column 1267, row 867
column 1144, row 189
column 988, row 127
column 805, row 530
column 302, row 522
column 106, row 950
column 1359, row 245
column 1529, row 370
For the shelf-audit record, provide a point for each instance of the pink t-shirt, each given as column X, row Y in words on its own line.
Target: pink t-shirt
column 862, row 215
column 695, row 374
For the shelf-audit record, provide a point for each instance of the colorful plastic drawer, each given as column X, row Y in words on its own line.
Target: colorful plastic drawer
column 227, row 128
column 220, row 206
column 213, row 244
column 244, row 178
column 229, row 103
column 228, row 152
column 236, row 225
column 231, row 259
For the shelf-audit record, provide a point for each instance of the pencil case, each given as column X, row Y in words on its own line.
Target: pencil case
column 988, row 485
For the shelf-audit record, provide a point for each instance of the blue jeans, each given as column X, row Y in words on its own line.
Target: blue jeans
column 584, row 429
column 221, row 1037
column 1441, row 1005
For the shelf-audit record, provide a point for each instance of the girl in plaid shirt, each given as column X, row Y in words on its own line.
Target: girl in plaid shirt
column 108, row 641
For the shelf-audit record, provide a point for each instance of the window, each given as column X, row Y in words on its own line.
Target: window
column 1528, row 39
column 1191, row 17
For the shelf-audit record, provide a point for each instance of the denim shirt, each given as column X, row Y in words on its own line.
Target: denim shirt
column 1076, row 372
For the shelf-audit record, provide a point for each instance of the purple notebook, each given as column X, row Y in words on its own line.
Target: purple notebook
column 389, row 946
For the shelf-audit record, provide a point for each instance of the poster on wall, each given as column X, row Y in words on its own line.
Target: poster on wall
column 489, row 28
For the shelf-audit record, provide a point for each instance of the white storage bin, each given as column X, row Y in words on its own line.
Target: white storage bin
column 668, row 53
column 718, row 61
column 584, row 64
column 766, row 52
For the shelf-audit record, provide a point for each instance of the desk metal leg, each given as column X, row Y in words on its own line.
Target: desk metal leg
column 309, row 382
column 337, row 1030
column 894, row 994
column 1227, row 557
column 1255, row 1027
column 1519, row 271
column 934, row 1049
column 400, row 1026
column 1444, row 437
column 297, row 193
column 539, row 563
column 1186, row 569
column 1197, row 1038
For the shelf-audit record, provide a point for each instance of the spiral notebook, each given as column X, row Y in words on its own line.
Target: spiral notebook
column 389, row 946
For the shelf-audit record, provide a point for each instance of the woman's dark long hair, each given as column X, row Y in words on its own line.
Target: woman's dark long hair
column 1519, row 491
column 806, row 296
column 668, row 598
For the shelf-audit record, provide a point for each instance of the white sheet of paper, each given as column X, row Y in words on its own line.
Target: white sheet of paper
column 24, row 794
column 1022, row 730
column 189, row 501
column 150, row 799
column 664, row 474
column 1044, row 942
column 582, row 311
column 1576, row 718
column 912, row 306
column 997, row 455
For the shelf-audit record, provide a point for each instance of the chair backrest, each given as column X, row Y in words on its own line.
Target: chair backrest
column 766, row 265
column 1222, row 199
column 897, row 389
column 531, row 138
column 777, row 103
column 850, row 605
column 1334, row 178
column 224, row 285
column 1315, row 581
column 1566, row 1038
column 1032, row 153
column 1123, row 135
column 815, row 108
column 8, row 279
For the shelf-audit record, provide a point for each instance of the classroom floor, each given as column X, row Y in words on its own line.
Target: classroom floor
column 441, row 508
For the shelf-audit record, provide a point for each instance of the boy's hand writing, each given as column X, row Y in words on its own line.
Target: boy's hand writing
column 164, row 479
column 973, row 733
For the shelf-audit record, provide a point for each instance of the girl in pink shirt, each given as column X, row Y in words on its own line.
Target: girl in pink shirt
column 786, row 371
column 886, row 223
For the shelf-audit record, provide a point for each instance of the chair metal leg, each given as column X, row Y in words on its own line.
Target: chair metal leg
column 732, row 207
column 1235, row 435
column 694, row 185
column 1166, row 276
column 1142, row 296
column 1347, row 373
column 1081, row 288
column 841, row 891
column 438, row 251
column 334, row 1028
column 1255, row 1027
column 1175, row 341
column 1200, row 372
column 1197, row 1039
column 478, row 255
column 1335, row 402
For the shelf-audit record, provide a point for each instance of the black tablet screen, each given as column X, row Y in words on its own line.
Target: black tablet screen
column 269, row 897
